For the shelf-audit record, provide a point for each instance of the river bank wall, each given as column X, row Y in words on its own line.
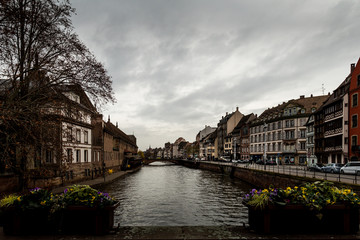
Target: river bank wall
column 258, row 178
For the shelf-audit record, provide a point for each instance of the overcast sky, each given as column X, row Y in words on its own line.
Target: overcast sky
column 178, row 65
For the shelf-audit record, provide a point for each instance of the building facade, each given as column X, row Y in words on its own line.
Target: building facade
column 354, row 113
column 279, row 133
column 332, row 126
column 225, row 126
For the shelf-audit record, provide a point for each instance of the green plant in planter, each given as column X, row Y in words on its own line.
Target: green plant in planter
column 9, row 200
column 36, row 198
column 314, row 195
column 84, row 195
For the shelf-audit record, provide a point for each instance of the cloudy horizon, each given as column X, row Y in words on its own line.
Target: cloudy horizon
column 179, row 65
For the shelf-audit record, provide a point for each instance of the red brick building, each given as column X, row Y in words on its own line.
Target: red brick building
column 354, row 113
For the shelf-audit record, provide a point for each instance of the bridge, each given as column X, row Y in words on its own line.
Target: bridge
column 148, row 161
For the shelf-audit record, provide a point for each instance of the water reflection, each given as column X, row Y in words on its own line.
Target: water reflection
column 172, row 195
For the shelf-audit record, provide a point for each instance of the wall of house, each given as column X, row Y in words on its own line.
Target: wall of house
column 112, row 152
column 354, row 110
column 233, row 121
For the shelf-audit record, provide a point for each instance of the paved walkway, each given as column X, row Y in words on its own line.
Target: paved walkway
column 183, row 232
column 97, row 181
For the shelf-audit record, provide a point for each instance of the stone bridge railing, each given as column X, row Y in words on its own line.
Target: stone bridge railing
column 148, row 161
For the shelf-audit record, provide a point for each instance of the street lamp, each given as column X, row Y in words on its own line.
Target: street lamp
column 234, row 148
column 265, row 144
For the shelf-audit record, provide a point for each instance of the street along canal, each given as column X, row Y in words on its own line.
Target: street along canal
column 163, row 194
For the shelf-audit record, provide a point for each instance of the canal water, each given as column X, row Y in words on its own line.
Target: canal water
column 163, row 194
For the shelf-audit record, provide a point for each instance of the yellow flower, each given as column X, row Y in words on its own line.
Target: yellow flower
column 19, row 199
column 328, row 201
column 43, row 203
column 110, row 171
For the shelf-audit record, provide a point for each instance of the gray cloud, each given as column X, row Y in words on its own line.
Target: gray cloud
column 180, row 65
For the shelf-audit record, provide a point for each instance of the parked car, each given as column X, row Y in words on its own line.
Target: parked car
column 224, row 158
column 351, row 167
column 270, row 162
column 332, row 167
column 315, row 167
column 260, row 161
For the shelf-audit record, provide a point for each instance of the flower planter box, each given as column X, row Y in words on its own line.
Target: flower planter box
column 27, row 222
column 87, row 220
column 300, row 219
column 71, row 220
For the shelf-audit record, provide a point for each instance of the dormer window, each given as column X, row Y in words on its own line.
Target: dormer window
column 302, row 110
column 77, row 98
column 313, row 109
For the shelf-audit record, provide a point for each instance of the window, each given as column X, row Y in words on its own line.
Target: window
column 354, row 100
column 292, row 123
column 358, row 80
column 302, row 133
column 86, row 137
column 302, row 145
column 78, row 156
column 86, row 156
column 69, row 155
column 353, row 140
column 354, row 119
column 49, row 156
column 279, row 124
column 78, row 135
column 69, row 134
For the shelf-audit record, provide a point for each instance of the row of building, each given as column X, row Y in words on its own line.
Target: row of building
column 86, row 146
column 309, row 129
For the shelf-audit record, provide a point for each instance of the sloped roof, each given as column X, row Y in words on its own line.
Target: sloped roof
column 339, row 92
column 116, row 132
column 304, row 103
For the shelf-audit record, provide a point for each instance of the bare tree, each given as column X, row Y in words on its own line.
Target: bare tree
column 39, row 55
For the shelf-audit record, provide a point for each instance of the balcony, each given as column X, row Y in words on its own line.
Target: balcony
column 333, row 149
column 333, row 115
column 333, row 132
column 289, row 151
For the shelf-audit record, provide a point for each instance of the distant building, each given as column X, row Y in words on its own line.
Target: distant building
column 354, row 113
column 331, row 126
column 202, row 144
column 225, row 126
column 241, row 138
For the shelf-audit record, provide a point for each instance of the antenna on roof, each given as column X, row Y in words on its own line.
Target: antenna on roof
column 322, row 88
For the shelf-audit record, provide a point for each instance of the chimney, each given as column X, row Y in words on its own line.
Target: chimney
column 227, row 113
column 328, row 93
column 116, row 124
column 237, row 109
column 352, row 67
column 108, row 118
column 302, row 96
column 311, row 95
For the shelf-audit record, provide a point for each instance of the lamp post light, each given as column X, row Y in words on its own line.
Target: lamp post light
column 234, row 148
column 265, row 145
